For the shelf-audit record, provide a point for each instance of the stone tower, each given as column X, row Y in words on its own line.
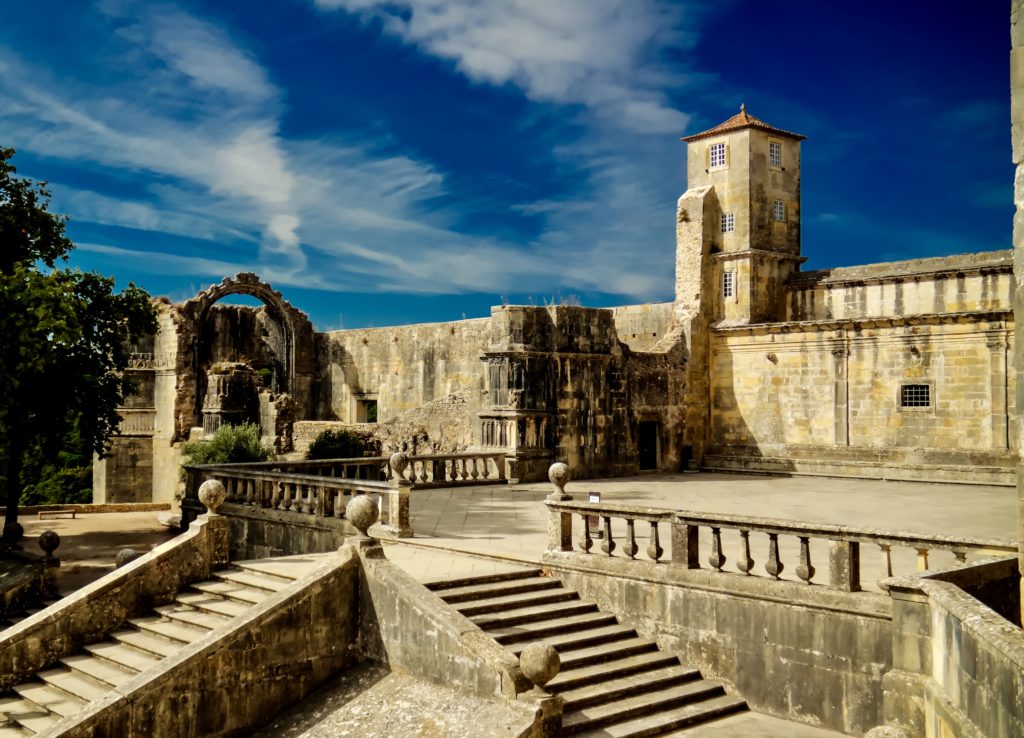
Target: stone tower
column 746, row 175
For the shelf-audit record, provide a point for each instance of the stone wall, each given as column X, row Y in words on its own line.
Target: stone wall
column 776, row 387
column 642, row 327
column 401, row 368
column 950, row 284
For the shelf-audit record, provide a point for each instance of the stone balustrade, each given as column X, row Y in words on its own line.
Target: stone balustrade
column 781, row 543
column 449, row 470
column 370, row 468
column 136, row 421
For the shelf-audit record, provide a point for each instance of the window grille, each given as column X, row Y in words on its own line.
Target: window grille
column 728, row 284
column 775, row 153
column 728, row 222
column 717, row 155
column 779, row 211
column 915, row 395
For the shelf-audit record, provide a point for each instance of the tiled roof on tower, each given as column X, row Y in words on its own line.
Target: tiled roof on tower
column 739, row 121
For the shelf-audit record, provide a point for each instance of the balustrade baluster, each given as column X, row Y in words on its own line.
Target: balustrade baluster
column 586, row 542
column 654, row 549
column 805, row 570
column 485, row 464
column 746, row 562
column 960, row 555
column 608, row 544
column 717, row 558
column 774, row 566
column 630, row 548
column 320, row 507
column 250, row 492
column 922, row 559
column 473, row 470
column 423, row 472
column 886, row 559
column 286, row 497
column 275, row 495
column 499, row 461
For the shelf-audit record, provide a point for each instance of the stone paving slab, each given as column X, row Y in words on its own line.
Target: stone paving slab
column 755, row 725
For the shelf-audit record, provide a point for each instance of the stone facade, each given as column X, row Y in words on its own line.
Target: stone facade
column 898, row 370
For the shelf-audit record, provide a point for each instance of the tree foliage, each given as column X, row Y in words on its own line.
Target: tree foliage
column 230, row 444
column 65, row 341
column 336, row 444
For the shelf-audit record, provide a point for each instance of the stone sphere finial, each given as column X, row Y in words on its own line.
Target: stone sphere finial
column 540, row 663
column 361, row 512
column 399, row 462
column 558, row 473
column 48, row 541
column 212, row 494
column 125, row 556
column 12, row 533
column 887, row 731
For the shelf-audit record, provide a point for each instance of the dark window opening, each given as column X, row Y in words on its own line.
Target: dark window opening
column 915, row 395
column 648, row 444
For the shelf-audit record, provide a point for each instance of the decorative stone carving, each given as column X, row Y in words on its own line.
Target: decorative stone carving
column 558, row 473
column 540, row 663
column 399, row 462
column 361, row 512
column 48, row 542
column 212, row 494
column 125, row 556
column 887, row 731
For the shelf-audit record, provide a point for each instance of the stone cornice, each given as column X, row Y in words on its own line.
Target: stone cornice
column 973, row 316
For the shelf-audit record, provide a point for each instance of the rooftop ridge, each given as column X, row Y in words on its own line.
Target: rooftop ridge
column 738, row 122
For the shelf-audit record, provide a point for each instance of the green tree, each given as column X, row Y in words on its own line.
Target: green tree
column 337, row 444
column 230, row 444
column 64, row 342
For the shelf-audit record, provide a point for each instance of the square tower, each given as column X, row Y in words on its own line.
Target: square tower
column 750, row 174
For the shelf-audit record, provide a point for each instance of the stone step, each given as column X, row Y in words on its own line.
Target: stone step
column 497, row 589
column 581, row 676
column 27, row 714
column 74, row 683
column 486, row 579
column 154, row 644
column 538, row 631
column 211, row 603
column 670, row 721
column 606, row 652
column 49, row 697
column 99, row 669
column 528, row 599
column 254, row 579
column 123, row 655
column 629, row 708
column 12, row 730
column 232, row 590
column 581, row 638
column 191, row 616
column 287, row 568
column 615, row 688
column 517, row 615
column 174, row 630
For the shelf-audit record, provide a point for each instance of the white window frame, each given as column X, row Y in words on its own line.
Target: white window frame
column 729, row 284
column 775, row 153
column 717, row 155
column 728, row 222
column 779, row 211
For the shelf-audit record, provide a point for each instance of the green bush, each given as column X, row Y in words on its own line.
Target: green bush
column 231, row 444
column 337, row 444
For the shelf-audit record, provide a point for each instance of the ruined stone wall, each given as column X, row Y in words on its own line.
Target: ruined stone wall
column 641, row 327
column 401, row 367
column 837, row 385
column 967, row 282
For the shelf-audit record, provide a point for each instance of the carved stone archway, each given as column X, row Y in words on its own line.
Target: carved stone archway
column 190, row 317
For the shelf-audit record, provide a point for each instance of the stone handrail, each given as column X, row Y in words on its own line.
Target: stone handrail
column 844, row 571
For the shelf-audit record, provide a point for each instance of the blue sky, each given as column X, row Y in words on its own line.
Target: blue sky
column 396, row 161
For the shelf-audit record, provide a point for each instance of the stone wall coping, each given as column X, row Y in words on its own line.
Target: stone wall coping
column 162, row 675
column 761, row 253
column 856, row 324
column 726, row 584
column 898, row 271
column 85, row 508
column 406, row 326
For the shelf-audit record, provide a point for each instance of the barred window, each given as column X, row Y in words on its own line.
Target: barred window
column 728, row 222
column 915, row 395
column 775, row 153
column 717, row 155
column 779, row 211
column 728, row 284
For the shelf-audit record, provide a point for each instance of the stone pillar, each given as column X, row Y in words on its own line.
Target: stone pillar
column 559, row 523
column 996, row 343
column 840, row 360
column 1017, row 141
column 399, row 517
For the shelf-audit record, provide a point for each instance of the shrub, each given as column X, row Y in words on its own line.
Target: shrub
column 336, row 444
column 231, row 444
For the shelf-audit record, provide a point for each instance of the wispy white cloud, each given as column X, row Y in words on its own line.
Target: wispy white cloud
column 602, row 54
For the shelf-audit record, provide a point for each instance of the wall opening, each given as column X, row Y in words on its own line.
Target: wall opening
column 649, row 434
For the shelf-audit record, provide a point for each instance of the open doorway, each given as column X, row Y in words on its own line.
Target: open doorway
column 649, row 437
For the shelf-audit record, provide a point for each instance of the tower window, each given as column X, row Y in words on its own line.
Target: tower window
column 728, row 222
column 728, row 284
column 717, row 155
column 915, row 395
column 779, row 211
column 775, row 153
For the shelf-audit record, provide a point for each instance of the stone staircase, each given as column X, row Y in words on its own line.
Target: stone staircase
column 67, row 687
column 614, row 683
